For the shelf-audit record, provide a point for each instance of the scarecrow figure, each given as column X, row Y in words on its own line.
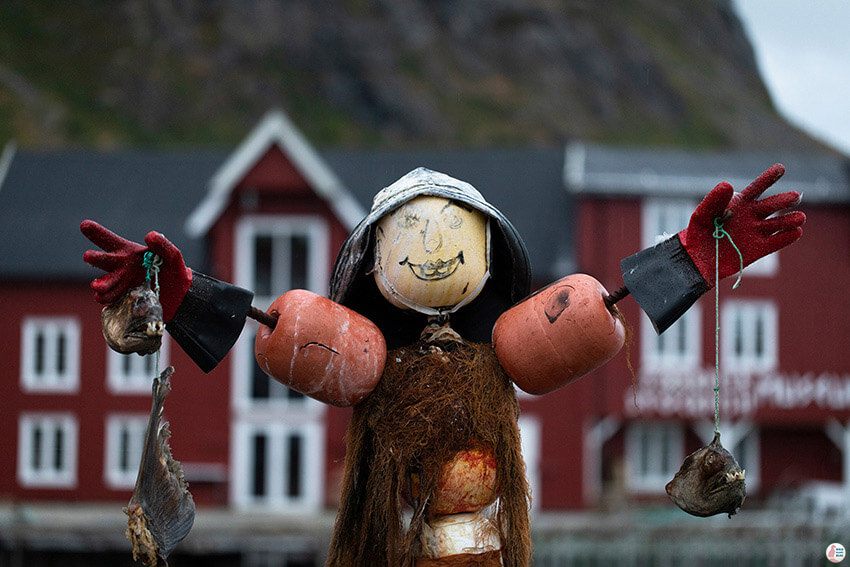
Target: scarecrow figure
column 427, row 328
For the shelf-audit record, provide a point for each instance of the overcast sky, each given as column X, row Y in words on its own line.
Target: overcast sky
column 803, row 51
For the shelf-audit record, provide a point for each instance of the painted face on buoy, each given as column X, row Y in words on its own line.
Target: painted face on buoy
column 432, row 254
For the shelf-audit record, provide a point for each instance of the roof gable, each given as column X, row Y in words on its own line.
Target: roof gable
column 275, row 129
column 275, row 172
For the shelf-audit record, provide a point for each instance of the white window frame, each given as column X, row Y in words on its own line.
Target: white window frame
column 316, row 230
column 657, row 355
column 766, row 266
column 314, row 227
column 114, row 475
column 138, row 380
column 530, row 434
column 279, row 403
column 661, row 219
column 649, row 438
column 50, row 381
column 749, row 312
column 46, row 476
column 278, row 416
column 276, row 500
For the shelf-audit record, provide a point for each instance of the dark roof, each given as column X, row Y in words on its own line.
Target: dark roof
column 595, row 169
column 45, row 196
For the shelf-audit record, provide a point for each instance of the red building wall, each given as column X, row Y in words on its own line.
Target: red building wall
column 814, row 323
column 194, row 408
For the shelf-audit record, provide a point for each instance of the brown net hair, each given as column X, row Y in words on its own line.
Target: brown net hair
column 433, row 400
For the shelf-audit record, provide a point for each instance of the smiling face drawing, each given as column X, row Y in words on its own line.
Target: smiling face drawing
column 431, row 254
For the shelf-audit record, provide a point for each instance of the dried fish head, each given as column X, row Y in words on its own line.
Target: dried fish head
column 134, row 322
column 709, row 482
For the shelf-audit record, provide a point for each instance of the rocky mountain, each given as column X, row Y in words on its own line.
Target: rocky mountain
column 384, row 73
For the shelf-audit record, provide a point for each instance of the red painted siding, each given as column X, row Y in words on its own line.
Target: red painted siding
column 275, row 173
column 814, row 322
column 795, row 455
column 193, row 408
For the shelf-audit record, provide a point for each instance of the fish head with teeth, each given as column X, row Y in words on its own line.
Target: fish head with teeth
column 431, row 253
column 134, row 322
column 709, row 482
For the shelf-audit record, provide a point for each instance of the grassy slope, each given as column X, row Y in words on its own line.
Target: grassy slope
column 84, row 74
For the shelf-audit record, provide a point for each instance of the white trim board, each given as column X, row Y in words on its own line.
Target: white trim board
column 274, row 129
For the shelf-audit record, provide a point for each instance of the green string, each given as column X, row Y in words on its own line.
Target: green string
column 151, row 262
column 719, row 234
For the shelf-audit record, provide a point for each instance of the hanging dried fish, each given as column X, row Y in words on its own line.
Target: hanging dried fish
column 134, row 322
column 161, row 511
column 710, row 482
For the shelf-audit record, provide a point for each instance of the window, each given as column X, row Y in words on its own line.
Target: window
column 279, row 434
column 663, row 218
column 680, row 345
column 279, row 466
column 749, row 333
column 50, row 355
column 267, row 390
column 654, row 453
column 125, row 438
column 280, row 262
column 275, row 255
column 676, row 348
column 133, row 374
column 47, row 450
column 766, row 266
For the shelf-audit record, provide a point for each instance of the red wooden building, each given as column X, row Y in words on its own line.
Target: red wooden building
column 264, row 462
column 785, row 374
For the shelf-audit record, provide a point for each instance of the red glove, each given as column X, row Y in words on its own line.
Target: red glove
column 122, row 262
column 753, row 232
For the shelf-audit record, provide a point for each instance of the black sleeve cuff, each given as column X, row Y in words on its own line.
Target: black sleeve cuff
column 210, row 319
column 664, row 281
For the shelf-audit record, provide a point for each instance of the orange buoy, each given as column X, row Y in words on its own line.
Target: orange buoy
column 321, row 349
column 467, row 483
column 558, row 334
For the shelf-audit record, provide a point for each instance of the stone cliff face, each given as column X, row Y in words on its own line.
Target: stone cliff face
column 386, row 73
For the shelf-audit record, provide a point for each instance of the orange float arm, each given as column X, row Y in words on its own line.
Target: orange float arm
column 558, row 334
column 321, row 348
